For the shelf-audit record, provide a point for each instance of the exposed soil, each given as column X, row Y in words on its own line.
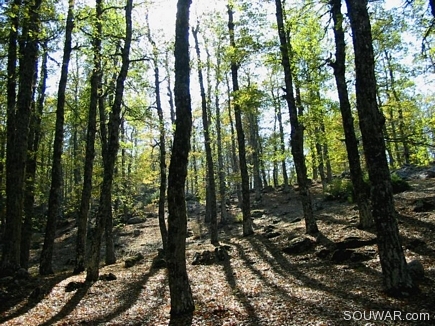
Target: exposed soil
column 259, row 284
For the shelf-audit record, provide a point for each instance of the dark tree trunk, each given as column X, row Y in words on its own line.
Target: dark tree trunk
column 339, row 66
column 104, row 215
column 54, row 201
column 31, row 164
column 162, row 144
column 18, row 115
column 96, row 76
column 432, row 7
column 211, row 185
column 394, row 268
column 179, row 286
column 297, row 141
column 246, row 206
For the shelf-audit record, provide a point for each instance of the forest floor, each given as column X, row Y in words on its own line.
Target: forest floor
column 258, row 283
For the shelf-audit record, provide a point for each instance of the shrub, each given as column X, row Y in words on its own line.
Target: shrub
column 341, row 189
column 399, row 184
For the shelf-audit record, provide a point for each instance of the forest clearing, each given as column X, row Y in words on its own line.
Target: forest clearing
column 259, row 284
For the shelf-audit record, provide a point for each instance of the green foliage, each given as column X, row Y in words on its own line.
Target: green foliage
column 398, row 184
column 340, row 189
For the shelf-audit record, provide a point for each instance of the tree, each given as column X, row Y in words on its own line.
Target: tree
column 162, row 144
column 54, row 202
column 246, row 206
column 179, row 286
column 211, row 184
column 31, row 163
column 339, row 66
column 86, row 193
column 296, row 129
column 394, row 268
column 18, row 117
column 104, row 215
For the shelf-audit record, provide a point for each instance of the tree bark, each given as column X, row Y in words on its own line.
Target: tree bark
column 296, row 128
column 179, row 286
column 104, row 215
column 394, row 268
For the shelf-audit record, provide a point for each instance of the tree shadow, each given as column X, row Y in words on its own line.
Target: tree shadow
column 241, row 296
column 33, row 294
column 283, row 267
column 127, row 298
column 70, row 305
column 279, row 290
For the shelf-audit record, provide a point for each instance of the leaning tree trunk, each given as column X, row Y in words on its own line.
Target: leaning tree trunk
column 82, row 218
column 339, row 66
column 104, row 215
column 297, row 141
column 394, row 268
column 54, row 201
column 246, row 205
column 211, row 185
column 179, row 286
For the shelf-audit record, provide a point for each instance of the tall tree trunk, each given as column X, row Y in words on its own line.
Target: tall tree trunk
column 162, row 143
column 234, row 159
column 339, row 66
column 253, row 139
column 297, row 141
column 18, row 115
column 54, row 201
column 221, row 171
column 394, row 268
column 31, row 164
column 278, row 115
column 179, row 286
column 211, row 186
column 86, row 194
column 169, row 89
column 104, row 215
column 246, row 205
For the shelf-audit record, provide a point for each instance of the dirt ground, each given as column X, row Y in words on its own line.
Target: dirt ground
column 259, row 283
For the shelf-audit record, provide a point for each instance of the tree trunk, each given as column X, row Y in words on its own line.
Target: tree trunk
column 18, row 116
column 31, row 164
column 221, row 171
column 162, row 144
column 278, row 114
column 246, row 206
column 104, row 216
column 211, row 186
column 86, row 194
column 394, row 268
column 179, row 286
column 339, row 66
column 234, row 159
column 296, row 135
column 54, row 201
